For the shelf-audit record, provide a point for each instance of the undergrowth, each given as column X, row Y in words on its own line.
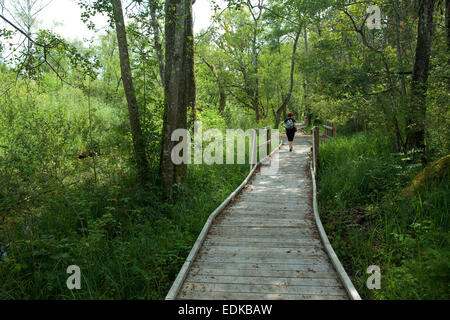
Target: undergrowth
column 128, row 243
column 370, row 223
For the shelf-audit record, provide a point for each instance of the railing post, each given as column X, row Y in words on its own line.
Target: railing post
column 334, row 129
column 253, row 148
column 269, row 140
column 315, row 149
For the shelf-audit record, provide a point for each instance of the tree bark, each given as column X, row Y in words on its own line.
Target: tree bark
column 220, row 85
column 288, row 96
column 127, row 80
column 255, row 100
column 447, row 34
column 256, row 17
column 416, row 123
column 447, row 23
column 157, row 39
column 179, row 86
column 306, row 86
column 398, row 45
column 222, row 99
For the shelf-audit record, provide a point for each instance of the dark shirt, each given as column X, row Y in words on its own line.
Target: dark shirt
column 292, row 120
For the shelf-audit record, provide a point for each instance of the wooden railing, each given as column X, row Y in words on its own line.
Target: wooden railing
column 255, row 147
column 315, row 148
column 330, row 129
column 330, row 132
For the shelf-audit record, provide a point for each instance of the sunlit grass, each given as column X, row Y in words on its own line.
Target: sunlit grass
column 129, row 243
column 360, row 178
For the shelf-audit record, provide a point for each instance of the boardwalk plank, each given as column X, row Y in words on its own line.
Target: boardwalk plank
column 266, row 223
column 322, row 267
column 264, row 232
column 307, row 260
column 255, row 252
column 252, row 243
column 273, row 215
column 263, row 288
column 310, row 274
column 254, row 296
column 274, row 281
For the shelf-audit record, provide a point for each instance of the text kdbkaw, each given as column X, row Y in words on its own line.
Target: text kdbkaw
column 213, row 152
column 246, row 309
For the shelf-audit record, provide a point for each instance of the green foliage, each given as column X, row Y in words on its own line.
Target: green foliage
column 360, row 180
column 58, row 209
column 67, row 195
column 129, row 244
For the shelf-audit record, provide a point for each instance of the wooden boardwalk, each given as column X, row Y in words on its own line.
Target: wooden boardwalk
column 265, row 244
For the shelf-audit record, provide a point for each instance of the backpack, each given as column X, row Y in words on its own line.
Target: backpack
column 289, row 124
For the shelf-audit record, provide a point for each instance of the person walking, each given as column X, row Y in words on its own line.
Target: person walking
column 289, row 125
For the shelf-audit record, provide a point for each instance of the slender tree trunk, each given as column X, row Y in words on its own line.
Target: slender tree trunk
column 400, row 54
column 416, row 122
column 306, row 86
column 255, row 100
column 222, row 100
column 277, row 119
column 179, row 86
column 256, row 108
column 220, row 85
column 256, row 17
column 288, row 96
column 133, row 113
column 157, row 39
column 447, row 23
column 447, row 34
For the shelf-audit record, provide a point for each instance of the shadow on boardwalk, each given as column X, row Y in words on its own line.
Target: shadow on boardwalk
column 265, row 244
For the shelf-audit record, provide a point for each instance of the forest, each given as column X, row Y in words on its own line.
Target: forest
column 86, row 176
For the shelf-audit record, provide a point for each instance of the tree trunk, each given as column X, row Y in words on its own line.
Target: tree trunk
column 220, row 85
column 255, row 100
column 416, row 122
column 277, row 118
column 287, row 97
column 308, row 114
column 398, row 45
column 125, row 68
column 255, row 105
column 179, row 86
column 256, row 17
column 447, row 34
column 222, row 99
column 157, row 39
column 447, row 23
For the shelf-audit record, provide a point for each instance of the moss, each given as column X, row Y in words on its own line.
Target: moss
column 433, row 173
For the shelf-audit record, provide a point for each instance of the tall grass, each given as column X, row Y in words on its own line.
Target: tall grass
column 369, row 223
column 131, row 244
column 128, row 242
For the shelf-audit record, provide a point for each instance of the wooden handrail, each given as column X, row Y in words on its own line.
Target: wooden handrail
column 255, row 148
column 330, row 129
column 348, row 285
column 315, row 148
